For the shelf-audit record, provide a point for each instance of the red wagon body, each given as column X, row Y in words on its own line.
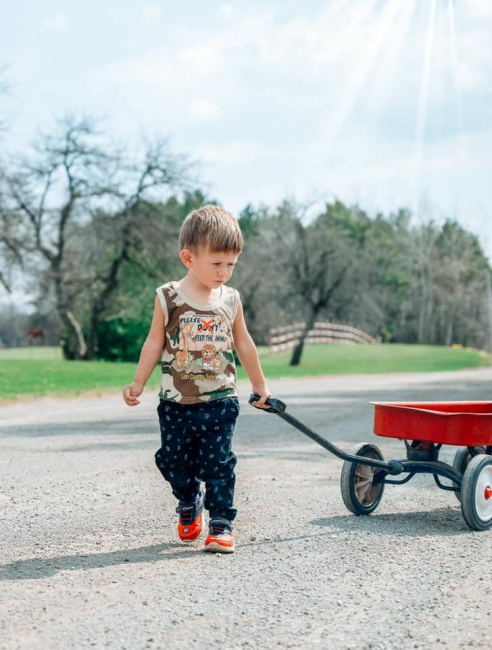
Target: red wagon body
column 447, row 423
column 424, row 427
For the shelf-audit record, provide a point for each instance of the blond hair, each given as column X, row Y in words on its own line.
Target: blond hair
column 211, row 226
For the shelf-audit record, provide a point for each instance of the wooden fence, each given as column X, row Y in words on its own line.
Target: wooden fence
column 285, row 338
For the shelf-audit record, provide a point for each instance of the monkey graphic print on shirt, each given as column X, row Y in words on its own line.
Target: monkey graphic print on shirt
column 197, row 361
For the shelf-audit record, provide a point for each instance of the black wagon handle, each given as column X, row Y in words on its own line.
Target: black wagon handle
column 276, row 405
column 280, row 408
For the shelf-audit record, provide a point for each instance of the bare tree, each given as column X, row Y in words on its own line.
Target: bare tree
column 460, row 271
column 11, row 244
column 424, row 238
column 74, row 175
column 4, row 89
column 316, row 256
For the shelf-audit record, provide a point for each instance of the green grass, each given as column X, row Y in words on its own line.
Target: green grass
column 21, row 377
column 42, row 371
column 35, row 352
column 331, row 359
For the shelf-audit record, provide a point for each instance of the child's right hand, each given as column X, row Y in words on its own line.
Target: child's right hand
column 132, row 392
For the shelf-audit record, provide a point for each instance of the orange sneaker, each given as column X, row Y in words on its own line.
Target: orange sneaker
column 220, row 537
column 190, row 522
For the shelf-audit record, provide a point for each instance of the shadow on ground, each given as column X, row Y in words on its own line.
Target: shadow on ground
column 441, row 521
column 39, row 568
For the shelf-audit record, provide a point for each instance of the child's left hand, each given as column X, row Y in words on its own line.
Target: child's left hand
column 263, row 393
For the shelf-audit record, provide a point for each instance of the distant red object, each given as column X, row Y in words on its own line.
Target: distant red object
column 32, row 335
column 447, row 423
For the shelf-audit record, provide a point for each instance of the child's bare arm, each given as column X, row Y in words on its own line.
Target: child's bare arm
column 149, row 356
column 248, row 356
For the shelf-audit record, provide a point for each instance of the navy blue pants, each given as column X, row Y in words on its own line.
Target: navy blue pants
column 196, row 444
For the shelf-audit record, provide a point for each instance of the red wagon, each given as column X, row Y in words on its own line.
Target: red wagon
column 424, row 427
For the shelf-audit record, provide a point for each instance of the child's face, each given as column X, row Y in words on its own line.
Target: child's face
column 211, row 269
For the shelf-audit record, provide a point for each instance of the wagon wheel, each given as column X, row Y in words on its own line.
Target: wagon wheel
column 461, row 461
column 359, row 494
column 476, row 493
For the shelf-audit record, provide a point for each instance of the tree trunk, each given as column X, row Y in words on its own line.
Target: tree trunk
column 450, row 328
column 426, row 307
column 73, row 325
column 297, row 353
column 110, row 284
column 93, row 336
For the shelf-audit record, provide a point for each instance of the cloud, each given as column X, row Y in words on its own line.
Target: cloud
column 56, row 23
column 226, row 10
column 482, row 7
column 190, row 66
column 204, row 109
column 259, row 92
column 474, row 61
column 203, row 59
column 154, row 67
column 150, row 14
column 234, row 152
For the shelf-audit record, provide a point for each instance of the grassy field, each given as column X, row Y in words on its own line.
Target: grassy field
column 42, row 371
column 372, row 359
column 45, row 377
column 34, row 353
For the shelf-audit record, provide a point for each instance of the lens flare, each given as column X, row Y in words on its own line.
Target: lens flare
column 423, row 108
column 458, row 97
column 388, row 67
column 362, row 68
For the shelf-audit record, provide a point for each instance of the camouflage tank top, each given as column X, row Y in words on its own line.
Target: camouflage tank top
column 197, row 360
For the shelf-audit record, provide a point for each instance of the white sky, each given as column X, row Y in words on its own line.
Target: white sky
column 275, row 98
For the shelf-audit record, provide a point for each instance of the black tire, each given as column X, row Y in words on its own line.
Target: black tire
column 476, row 493
column 461, row 461
column 358, row 493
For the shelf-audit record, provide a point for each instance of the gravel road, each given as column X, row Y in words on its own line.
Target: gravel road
column 89, row 557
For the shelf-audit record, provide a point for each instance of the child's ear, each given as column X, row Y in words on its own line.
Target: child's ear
column 186, row 257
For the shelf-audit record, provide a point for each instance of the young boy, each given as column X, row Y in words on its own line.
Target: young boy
column 197, row 323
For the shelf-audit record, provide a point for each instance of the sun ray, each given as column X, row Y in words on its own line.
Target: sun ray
column 440, row 62
column 454, row 62
column 341, row 21
column 458, row 96
column 388, row 68
column 360, row 72
column 350, row 26
column 422, row 110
